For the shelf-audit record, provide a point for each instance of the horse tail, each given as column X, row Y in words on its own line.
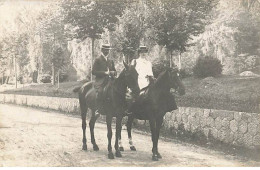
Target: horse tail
column 75, row 90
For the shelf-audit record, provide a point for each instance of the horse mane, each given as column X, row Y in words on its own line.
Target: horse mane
column 121, row 73
column 160, row 80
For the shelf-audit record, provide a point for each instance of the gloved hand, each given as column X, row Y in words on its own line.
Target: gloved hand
column 150, row 79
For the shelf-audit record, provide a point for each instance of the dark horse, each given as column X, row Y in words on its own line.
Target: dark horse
column 154, row 104
column 114, row 105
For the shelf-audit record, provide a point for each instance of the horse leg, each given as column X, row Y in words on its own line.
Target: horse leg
column 129, row 129
column 83, row 118
column 153, row 132
column 109, row 136
column 158, row 128
column 121, row 148
column 91, row 127
column 118, row 132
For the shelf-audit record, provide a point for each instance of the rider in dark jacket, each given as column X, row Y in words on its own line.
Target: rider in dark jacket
column 103, row 67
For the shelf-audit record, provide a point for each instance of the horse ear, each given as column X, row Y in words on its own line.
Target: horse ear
column 126, row 66
column 134, row 63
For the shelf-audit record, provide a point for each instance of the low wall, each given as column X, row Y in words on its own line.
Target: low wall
column 70, row 105
column 230, row 127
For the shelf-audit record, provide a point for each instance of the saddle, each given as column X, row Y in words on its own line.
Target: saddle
column 144, row 91
column 102, row 92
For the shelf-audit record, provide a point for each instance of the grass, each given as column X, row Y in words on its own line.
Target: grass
column 224, row 93
column 48, row 89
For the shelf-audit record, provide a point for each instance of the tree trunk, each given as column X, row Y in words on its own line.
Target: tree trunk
column 170, row 58
column 92, row 56
column 180, row 60
column 160, row 50
column 3, row 77
column 7, row 80
column 53, row 75
column 15, row 71
column 59, row 78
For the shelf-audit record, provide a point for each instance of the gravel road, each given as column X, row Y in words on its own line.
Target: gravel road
column 31, row 137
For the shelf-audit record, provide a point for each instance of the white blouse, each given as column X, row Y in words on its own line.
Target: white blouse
column 144, row 69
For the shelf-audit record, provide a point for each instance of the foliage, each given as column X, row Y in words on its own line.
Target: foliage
column 184, row 74
column 22, row 51
column 53, row 38
column 175, row 22
column 129, row 33
column 3, row 59
column 247, row 62
column 14, row 49
column 234, row 31
column 207, row 67
column 89, row 18
column 63, row 76
column 247, row 31
column 160, row 65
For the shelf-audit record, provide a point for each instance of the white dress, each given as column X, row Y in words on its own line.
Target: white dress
column 144, row 69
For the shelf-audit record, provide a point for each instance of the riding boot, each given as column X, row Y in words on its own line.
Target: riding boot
column 99, row 103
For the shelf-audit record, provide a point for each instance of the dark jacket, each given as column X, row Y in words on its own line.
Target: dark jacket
column 100, row 66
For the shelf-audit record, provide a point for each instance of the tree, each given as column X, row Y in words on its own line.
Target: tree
column 176, row 22
column 130, row 31
column 15, row 53
column 232, row 36
column 59, row 60
column 53, row 38
column 3, row 61
column 90, row 18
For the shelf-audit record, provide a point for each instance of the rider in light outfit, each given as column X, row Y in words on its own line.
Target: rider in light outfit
column 143, row 68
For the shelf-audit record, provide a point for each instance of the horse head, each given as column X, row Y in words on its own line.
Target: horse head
column 175, row 80
column 131, row 77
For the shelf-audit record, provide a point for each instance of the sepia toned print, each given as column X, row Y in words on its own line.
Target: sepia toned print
column 129, row 83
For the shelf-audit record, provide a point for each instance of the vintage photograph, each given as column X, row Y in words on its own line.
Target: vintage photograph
column 129, row 83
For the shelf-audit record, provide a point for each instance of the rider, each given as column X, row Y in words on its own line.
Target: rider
column 103, row 68
column 143, row 68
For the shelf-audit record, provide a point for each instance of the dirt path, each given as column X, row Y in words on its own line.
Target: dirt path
column 30, row 137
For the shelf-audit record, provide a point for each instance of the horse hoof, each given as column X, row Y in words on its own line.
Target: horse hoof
column 159, row 155
column 111, row 155
column 95, row 148
column 132, row 148
column 155, row 158
column 84, row 147
column 118, row 154
column 121, row 148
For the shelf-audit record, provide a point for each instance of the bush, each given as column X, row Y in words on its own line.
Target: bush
column 62, row 77
column 45, row 78
column 3, row 79
column 20, row 79
column 207, row 67
column 184, row 73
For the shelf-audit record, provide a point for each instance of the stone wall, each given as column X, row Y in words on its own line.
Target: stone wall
column 69, row 105
column 230, row 127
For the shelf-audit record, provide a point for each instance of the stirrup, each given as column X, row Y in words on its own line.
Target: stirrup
column 128, row 113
